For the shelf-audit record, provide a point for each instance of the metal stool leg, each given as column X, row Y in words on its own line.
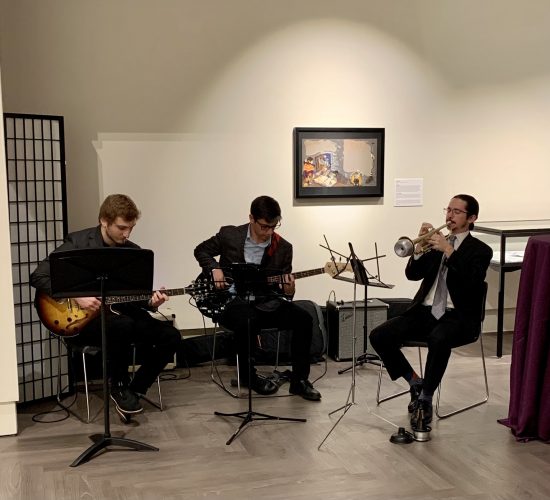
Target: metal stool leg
column 472, row 405
column 84, row 369
column 70, row 352
column 159, row 405
column 215, row 375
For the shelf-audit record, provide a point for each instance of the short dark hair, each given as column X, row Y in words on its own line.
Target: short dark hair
column 472, row 206
column 118, row 205
column 267, row 208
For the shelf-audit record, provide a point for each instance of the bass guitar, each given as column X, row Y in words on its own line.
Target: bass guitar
column 66, row 318
column 213, row 304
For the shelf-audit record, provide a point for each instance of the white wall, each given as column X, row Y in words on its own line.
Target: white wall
column 189, row 108
column 8, row 358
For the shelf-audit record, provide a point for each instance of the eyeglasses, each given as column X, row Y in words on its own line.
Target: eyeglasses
column 267, row 227
column 455, row 211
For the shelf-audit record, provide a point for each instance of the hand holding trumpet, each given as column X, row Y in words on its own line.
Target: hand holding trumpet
column 428, row 239
column 433, row 240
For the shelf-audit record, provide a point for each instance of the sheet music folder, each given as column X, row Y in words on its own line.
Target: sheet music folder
column 376, row 284
column 360, row 275
column 77, row 273
column 249, row 279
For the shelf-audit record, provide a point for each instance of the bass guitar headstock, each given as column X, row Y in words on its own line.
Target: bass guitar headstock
column 334, row 269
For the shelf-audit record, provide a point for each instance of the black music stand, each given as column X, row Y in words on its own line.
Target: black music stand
column 98, row 272
column 250, row 283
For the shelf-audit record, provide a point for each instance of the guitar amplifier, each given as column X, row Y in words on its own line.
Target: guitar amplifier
column 340, row 323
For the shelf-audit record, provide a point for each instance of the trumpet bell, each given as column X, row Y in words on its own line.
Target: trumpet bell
column 404, row 247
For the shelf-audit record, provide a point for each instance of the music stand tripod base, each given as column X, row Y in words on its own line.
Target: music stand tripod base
column 249, row 416
column 101, row 441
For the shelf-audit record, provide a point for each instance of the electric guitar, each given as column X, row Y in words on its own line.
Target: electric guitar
column 66, row 318
column 213, row 304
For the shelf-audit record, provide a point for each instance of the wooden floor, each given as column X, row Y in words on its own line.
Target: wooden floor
column 469, row 456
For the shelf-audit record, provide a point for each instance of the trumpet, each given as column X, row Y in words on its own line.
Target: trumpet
column 405, row 246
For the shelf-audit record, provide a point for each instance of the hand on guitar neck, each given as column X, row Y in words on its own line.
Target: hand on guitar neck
column 158, row 298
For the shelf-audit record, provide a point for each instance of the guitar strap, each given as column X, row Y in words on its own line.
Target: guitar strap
column 275, row 238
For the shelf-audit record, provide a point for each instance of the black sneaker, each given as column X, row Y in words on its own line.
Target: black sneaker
column 126, row 400
column 305, row 389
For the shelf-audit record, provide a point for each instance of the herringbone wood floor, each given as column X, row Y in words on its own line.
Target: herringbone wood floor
column 470, row 456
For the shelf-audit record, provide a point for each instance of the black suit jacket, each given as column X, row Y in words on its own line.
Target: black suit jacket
column 228, row 245
column 467, row 267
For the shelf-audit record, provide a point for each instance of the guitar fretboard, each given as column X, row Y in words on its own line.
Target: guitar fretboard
column 301, row 274
column 146, row 296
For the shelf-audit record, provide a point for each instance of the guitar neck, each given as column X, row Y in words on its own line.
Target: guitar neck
column 146, row 296
column 301, row 274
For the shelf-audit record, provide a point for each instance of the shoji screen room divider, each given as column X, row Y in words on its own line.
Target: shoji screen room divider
column 35, row 160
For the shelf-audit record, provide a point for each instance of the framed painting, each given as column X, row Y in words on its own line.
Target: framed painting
column 338, row 162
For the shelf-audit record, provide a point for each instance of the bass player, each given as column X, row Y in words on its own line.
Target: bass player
column 256, row 243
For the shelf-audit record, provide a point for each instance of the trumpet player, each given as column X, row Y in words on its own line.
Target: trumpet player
column 446, row 310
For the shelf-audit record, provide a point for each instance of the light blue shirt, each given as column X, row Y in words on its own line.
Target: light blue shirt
column 253, row 252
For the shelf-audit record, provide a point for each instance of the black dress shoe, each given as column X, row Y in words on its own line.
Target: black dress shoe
column 262, row 386
column 422, row 414
column 415, row 391
column 305, row 389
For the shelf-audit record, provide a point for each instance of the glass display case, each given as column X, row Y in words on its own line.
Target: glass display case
column 508, row 240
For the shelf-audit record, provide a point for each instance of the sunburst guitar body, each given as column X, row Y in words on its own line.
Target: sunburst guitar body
column 62, row 316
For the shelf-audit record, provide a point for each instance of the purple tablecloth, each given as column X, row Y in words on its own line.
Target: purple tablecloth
column 529, row 410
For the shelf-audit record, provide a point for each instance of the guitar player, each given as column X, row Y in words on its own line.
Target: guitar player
column 132, row 324
column 257, row 243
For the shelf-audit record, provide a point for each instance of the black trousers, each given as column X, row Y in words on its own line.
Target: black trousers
column 239, row 315
column 418, row 324
column 158, row 339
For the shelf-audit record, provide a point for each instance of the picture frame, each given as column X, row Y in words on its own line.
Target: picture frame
column 338, row 162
